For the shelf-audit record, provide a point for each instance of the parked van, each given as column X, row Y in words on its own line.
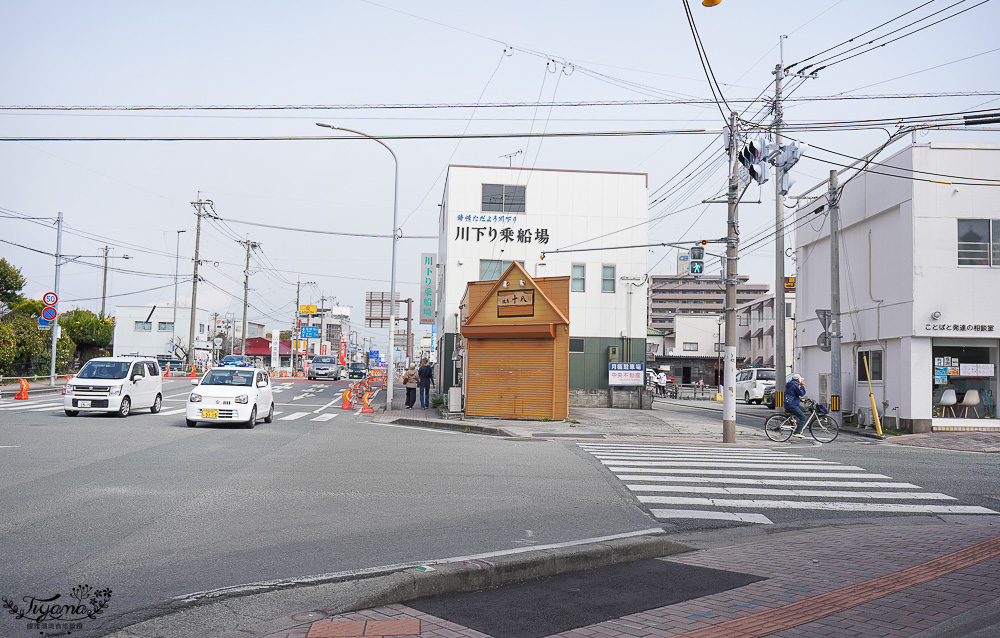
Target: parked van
column 115, row 384
column 750, row 383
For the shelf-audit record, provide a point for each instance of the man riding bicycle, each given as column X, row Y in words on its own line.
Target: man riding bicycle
column 795, row 389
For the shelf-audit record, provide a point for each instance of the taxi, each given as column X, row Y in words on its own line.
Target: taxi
column 231, row 394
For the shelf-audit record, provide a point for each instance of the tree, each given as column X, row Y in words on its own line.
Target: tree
column 8, row 346
column 28, row 307
column 87, row 329
column 11, row 282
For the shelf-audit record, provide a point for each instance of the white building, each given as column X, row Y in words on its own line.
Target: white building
column 692, row 351
column 334, row 324
column 755, row 347
column 491, row 216
column 919, row 271
column 147, row 330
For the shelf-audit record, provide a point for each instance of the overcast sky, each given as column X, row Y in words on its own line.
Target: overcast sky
column 134, row 196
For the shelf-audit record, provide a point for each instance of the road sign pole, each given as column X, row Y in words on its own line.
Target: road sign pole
column 55, row 326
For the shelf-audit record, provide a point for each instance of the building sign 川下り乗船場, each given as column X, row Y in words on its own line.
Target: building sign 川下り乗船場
column 503, row 235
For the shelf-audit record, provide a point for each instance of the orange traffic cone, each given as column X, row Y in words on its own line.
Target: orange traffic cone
column 23, row 392
column 192, row 372
column 166, row 373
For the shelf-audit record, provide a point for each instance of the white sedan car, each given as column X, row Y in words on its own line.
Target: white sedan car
column 231, row 395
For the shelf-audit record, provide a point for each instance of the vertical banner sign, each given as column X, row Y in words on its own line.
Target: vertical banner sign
column 427, row 284
column 343, row 353
column 275, row 349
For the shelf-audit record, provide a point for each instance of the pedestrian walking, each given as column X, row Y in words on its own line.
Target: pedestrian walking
column 661, row 383
column 426, row 379
column 410, row 381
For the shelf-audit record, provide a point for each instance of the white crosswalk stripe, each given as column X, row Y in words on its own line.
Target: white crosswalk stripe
column 324, row 417
column 293, row 416
column 707, row 483
column 29, row 405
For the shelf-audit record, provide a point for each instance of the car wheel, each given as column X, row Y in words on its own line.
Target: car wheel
column 746, row 398
column 72, row 412
column 124, row 408
column 191, row 423
column 157, row 404
column 252, row 421
column 270, row 415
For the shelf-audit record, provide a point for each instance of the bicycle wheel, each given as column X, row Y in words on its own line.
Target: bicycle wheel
column 824, row 429
column 779, row 427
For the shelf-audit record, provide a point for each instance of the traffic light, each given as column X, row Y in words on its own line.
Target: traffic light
column 696, row 260
column 790, row 154
column 753, row 157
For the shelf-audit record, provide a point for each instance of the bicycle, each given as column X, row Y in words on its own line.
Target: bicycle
column 822, row 426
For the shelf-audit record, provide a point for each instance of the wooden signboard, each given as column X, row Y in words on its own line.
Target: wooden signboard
column 516, row 303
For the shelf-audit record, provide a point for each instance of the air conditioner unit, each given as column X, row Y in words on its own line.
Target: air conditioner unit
column 823, row 391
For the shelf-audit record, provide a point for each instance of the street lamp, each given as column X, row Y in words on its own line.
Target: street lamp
column 395, row 237
column 173, row 326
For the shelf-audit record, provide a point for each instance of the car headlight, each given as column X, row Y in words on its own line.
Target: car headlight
column 195, row 398
column 115, row 390
column 243, row 398
column 68, row 389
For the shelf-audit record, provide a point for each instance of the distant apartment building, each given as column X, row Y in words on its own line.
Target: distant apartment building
column 683, row 294
column 755, row 332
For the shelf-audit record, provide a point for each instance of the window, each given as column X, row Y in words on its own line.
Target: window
column 143, row 326
column 164, row 326
column 788, row 309
column 974, row 242
column 608, row 279
column 576, row 345
column 201, row 328
column 498, row 198
column 874, row 363
column 491, row 269
column 690, row 346
column 576, row 281
column 153, row 369
column 720, row 347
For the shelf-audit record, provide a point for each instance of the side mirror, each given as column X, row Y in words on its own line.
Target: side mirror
column 194, row 381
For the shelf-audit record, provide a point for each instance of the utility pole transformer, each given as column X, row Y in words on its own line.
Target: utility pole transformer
column 732, row 240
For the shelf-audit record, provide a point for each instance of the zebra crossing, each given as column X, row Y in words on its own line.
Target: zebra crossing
column 677, row 482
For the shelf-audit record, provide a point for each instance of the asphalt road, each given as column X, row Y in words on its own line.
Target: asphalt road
column 155, row 510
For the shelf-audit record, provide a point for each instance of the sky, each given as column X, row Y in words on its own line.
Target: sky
column 134, row 196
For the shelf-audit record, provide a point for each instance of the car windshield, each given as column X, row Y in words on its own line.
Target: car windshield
column 232, row 358
column 104, row 370
column 324, row 360
column 357, row 366
column 765, row 375
column 228, row 377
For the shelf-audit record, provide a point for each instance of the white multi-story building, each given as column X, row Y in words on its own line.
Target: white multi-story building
column 491, row 216
column 755, row 347
column 334, row 324
column 919, row 271
column 147, row 330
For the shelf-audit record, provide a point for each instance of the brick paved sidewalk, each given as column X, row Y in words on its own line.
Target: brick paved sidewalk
column 860, row 581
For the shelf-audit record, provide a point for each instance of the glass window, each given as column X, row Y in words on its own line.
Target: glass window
column 973, row 242
column 491, row 269
column 201, row 328
column 690, row 346
column 576, row 282
column 229, row 377
column 499, row 198
column 152, row 368
column 788, row 309
column 720, row 347
column 874, row 364
column 143, row 326
column 576, row 345
column 104, row 370
column 164, row 326
column 608, row 279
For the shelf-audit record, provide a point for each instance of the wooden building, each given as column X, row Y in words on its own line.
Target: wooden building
column 516, row 355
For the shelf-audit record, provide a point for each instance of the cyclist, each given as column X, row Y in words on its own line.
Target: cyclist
column 795, row 389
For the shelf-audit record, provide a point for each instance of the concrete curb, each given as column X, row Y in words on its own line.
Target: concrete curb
column 245, row 611
column 459, row 426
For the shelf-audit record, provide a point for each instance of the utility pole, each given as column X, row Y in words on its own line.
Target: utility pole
column 104, row 286
column 55, row 322
column 199, row 211
column 779, row 240
column 322, row 326
column 250, row 245
column 732, row 239
column 295, row 323
column 173, row 326
column 214, row 331
column 409, row 330
column 835, row 334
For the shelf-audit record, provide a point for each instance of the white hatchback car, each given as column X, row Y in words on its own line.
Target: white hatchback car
column 115, row 384
column 231, row 395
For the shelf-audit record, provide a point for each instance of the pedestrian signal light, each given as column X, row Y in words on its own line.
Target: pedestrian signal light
column 696, row 260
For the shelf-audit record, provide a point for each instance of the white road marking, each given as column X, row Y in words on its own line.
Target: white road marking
column 749, row 473
column 169, row 412
column 760, row 491
column 764, row 465
column 30, row 406
column 705, row 457
column 750, row 481
column 325, row 406
column 708, row 514
column 293, row 416
column 324, row 417
column 822, row 505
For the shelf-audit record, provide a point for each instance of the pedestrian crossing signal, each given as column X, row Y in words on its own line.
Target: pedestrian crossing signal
column 696, row 260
